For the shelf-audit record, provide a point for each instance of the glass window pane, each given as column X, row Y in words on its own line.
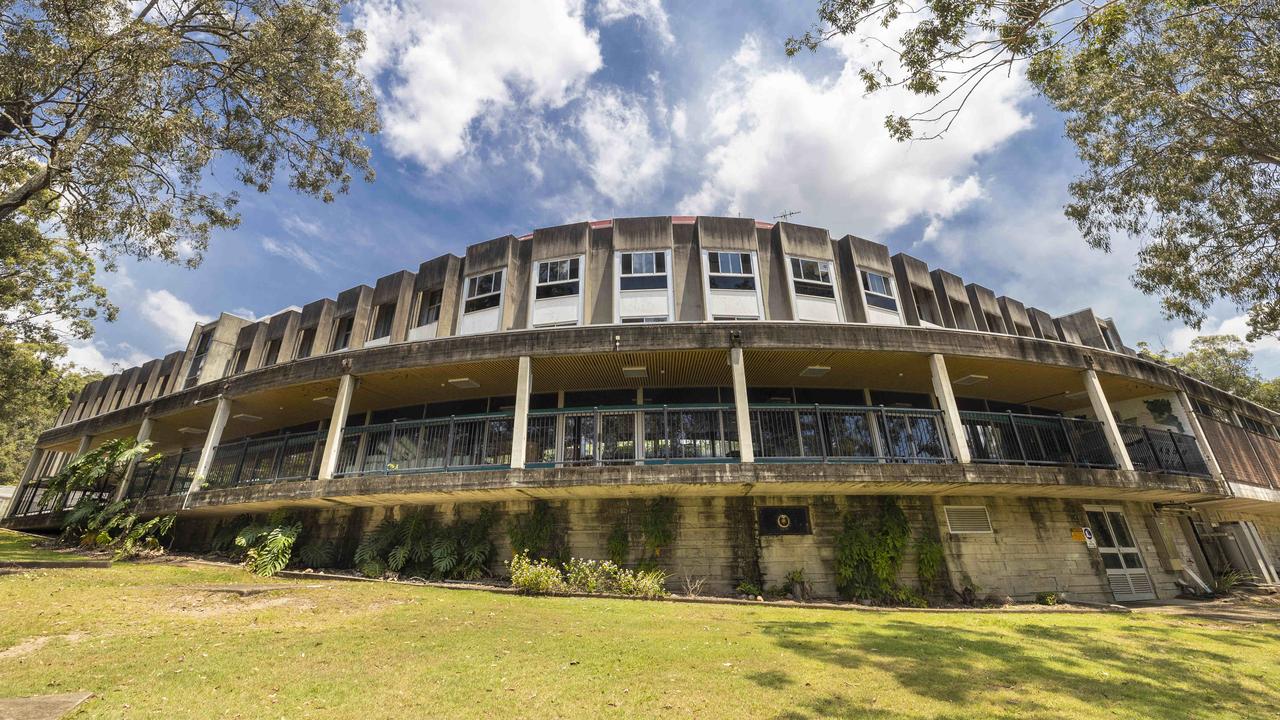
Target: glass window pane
column 1101, row 532
column 1123, row 537
column 1132, row 561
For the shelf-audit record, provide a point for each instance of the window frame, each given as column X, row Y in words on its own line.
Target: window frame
column 423, row 301
column 794, row 261
column 377, row 318
column 499, row 290
column 267, row 359
column 337, row 326
column 892, row 294
column 311, row 346
column 618, row 290
column 577, row 265
column 708, row 315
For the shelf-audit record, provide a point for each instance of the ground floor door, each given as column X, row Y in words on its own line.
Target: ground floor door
column 1126, row 572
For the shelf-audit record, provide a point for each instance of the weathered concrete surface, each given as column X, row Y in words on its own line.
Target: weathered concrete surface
column 42, row 707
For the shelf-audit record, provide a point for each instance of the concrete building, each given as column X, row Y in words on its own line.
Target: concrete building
column 770, row 378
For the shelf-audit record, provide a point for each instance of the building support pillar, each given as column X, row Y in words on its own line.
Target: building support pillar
column 221, row 413
column 742, row 411
column 37, row 457
column 337, row 425
column 1210, row 460
column 946, row 396
column 520, row 426
column 1102, row 410
column 144, row 434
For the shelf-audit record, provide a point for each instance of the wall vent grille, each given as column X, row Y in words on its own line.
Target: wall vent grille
column 968, row 519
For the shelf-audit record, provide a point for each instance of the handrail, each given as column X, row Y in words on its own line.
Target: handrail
column 1163, row 450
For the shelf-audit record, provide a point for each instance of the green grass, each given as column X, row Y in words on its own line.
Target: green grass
column 149, row 642
column 16, row 547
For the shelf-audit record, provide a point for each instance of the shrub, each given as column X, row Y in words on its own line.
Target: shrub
column 1047, row 598
column 642, row 583
column 415, row 546
column 536, row 533
column 591, row 576
column 97, row 524
column 869, row 554
column 1227, row 582
column 536, row 577
column 268, row 545
column 746, row 587
column 542, row 577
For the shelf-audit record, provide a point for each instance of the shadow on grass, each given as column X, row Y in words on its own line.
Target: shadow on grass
column 961, row 666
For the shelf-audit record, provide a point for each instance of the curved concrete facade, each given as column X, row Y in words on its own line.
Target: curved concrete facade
column 746, row 369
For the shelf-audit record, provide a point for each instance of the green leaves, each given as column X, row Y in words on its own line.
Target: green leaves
column 101, row 468
column 416, row 546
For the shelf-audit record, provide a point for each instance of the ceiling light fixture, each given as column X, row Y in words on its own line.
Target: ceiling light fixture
column 815, row 371
column 246, row 417
column 464, row 383
column 970, row 380
column 192, row 430
column 639, row 371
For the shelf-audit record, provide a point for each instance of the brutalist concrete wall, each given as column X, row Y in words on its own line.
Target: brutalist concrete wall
column 1031, row 550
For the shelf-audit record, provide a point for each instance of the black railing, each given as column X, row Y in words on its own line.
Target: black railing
column 281, row 458
column 830, row 433
column 460, row 442
column 652, row 434
column 167, row 475
column 1014, row 439
column 1161, row 450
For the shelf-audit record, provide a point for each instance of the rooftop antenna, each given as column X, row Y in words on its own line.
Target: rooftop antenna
column 786, row 215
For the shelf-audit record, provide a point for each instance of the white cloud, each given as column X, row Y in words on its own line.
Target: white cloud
column 649, row 12
column 290, row 250
column 172, row 316
column 779, row 140
column 104, row 359
column 297, row 226
column 626, row 160
column 444, row 65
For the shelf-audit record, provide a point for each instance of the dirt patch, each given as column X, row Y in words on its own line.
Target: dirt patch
column 31, row 645
column 214, row 603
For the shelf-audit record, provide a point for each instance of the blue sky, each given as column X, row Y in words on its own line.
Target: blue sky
column 500, row 117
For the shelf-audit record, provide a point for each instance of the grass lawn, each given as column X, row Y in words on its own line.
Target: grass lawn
column 16, row 547
column 152, row 641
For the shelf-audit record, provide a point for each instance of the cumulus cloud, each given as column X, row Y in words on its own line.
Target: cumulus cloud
column 170, row 315
column 444, row 67
column 627, row 159
column 649, row 12
column 102, row 358
column 294, row 252
column 778, row 139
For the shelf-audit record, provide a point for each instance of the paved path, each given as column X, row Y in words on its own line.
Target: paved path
column 43, row 707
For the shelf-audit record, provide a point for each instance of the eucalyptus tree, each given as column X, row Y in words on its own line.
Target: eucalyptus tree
column 1172, row 104
column 114, row 115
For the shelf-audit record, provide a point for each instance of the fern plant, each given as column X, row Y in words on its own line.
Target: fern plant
column 417, row 547
column 268, row 545
column 98, row 469
column 93, row 523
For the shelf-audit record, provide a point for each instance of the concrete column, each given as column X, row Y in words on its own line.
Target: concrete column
column 1202, row 440
column 144, row 434
column 946, row 396
column 82, row 448
column 1109, row 428
column 221, row 414
column 747, row 453
column 520, row 428
column 337, row 424
column 37, row 456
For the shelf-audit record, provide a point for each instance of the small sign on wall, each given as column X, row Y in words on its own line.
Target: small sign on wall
column 1084, row 535
column 784, row 520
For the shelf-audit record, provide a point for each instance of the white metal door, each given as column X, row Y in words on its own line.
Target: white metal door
column 1126, row 572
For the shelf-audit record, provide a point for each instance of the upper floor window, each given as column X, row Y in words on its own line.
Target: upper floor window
column 238, row 362
column 161, row 385
column 306, row 341
column 115, row 401
column 812, row 277
column 273, row 353
column 643, row 271
column 557, row 278
column 97, row 405
column 197, row 360
column 1107, row 339
column 383, row 315
column 137, row 393
column 483, row 292
column 429, row 302
column 730, row 271
column 878, row 290
column 342, row 333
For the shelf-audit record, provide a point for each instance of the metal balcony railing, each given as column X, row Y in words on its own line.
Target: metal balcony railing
column 460, row 442
column 168, row 475
column 1161, row 450
column 653, row 434
column 830, row 433
column 33, row 499
column 1015, row 439
column 283, row 458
